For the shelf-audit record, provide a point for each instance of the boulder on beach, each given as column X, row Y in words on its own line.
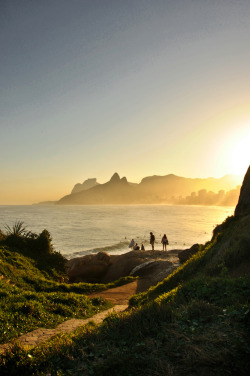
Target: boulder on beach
column 89, row 268
column 152, row 272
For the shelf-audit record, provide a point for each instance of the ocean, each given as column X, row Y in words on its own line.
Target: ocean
column 81, row 230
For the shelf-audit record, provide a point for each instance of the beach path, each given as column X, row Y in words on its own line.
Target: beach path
column 119, row 296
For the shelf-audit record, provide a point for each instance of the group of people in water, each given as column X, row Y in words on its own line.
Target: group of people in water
column 135, row 247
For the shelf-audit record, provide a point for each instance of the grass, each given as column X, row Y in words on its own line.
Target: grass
column 22, row 311
column 29, row 299
column 32, row 291
column 185, row 333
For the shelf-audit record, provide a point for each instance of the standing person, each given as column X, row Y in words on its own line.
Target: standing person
column 152, row 241
column 131, row 245
column 164, row 241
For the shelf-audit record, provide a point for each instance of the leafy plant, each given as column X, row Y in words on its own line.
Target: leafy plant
column 18, row 229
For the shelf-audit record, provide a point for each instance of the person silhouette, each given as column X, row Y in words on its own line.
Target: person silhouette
column 131, row 245
column 152, row 240
column 164, row 241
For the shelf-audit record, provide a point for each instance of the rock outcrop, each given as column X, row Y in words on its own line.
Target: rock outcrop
column 243, row 206
column 90, row 268
column 152, row 272
column 104, row 268
column 187, row 253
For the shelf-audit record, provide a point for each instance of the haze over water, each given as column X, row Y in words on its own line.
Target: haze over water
column 80, row 230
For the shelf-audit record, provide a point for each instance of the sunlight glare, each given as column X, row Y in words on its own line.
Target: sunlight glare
column 239, row 149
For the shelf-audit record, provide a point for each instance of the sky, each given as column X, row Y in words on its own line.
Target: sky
column 139, row 87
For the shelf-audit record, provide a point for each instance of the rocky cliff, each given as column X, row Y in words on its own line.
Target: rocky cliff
column 243, row 206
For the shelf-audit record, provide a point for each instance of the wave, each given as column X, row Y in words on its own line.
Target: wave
column 117, row 248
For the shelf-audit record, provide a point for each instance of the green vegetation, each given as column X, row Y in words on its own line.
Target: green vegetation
column 34, row 291
column 195, row 322
column 22, row 311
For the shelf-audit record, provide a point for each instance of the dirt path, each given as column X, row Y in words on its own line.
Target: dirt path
column 119, row 296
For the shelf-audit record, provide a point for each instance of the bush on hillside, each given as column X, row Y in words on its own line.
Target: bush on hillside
column 224, row 225
column 37, row 246
column 2, row 236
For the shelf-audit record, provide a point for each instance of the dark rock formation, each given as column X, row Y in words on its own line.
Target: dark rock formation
column 152, row 272
column 187, row 253
column 90, row 268
column 122, row 265
column 243, row 206
column 104, row 268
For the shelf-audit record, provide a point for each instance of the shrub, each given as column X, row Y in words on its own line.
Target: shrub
column 17, row 229
column 2, row 236
column 43, row 243
column 38, row 247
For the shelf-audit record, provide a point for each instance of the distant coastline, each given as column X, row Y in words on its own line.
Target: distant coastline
column 167, row 190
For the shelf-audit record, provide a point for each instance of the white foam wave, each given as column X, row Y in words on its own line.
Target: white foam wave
column 118, row 248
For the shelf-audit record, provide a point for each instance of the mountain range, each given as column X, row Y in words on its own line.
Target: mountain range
column 151, row 190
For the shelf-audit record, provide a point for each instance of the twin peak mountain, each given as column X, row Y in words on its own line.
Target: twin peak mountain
column 151, row 190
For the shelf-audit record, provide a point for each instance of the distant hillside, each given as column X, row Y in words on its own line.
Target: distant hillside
column 167, row 189
column 115, row 191
column 87, row 184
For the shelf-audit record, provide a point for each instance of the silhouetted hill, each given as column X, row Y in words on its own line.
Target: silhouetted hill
column 87, row 184
column 172, row 185
column 115, row 191
column 151, row 190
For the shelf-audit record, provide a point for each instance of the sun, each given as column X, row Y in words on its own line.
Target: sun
column 239, row 149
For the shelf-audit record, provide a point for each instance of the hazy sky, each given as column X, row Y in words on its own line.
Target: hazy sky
column 138, row 87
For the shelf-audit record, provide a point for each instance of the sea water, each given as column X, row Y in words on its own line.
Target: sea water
column 81, row 230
